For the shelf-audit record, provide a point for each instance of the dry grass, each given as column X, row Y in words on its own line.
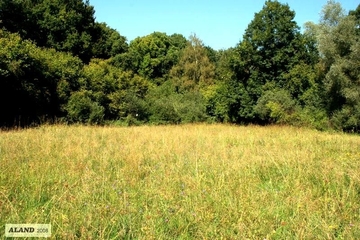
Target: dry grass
column 182, row 182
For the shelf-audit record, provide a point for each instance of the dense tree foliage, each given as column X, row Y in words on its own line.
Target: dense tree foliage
column 67, row 26
column 339, row 46
column 58, row 64
column 152, row 56
column 109, row 42
column 33, row 86
column 194, row 67
column 272, row 52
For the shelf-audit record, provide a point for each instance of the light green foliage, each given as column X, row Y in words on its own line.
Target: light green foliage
column 223, row 96
column 118, row 91
column 64, row 69
column 193, row 73
column 311, row 117
column 194, row 69
column 275, row 105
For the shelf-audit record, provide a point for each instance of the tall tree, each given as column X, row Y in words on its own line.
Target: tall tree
column 194, row 68
column 272, row 46
column 151, row 56
column 338, row 44
column 35, row 82
column 356, row 14
column 65, row 25
column 109, row 42
column 119, row 92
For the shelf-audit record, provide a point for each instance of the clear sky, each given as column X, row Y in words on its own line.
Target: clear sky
column 220, row 24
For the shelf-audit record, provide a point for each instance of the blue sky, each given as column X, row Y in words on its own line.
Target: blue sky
column 220, row 24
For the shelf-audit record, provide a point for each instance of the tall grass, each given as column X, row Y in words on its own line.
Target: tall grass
column 182, row 182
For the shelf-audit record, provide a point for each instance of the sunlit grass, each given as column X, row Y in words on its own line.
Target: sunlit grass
column 187, row 182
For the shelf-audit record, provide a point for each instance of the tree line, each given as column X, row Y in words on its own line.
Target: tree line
column 58, row 64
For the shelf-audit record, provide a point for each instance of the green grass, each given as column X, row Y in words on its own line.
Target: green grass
column 182, row 182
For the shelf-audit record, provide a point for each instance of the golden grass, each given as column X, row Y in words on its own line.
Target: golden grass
column 188, row 182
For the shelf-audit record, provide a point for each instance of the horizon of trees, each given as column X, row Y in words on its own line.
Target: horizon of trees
column 58, row 64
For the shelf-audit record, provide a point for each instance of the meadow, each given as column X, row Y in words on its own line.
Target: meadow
column 197, row 181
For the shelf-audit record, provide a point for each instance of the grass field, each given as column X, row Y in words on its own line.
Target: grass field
column 182, row 182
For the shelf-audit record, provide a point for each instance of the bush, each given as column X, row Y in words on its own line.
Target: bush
column 275, row 106
column 81, row 108
column 347, row 119
column 191, row 107
column 168, row 106
column 310, row 117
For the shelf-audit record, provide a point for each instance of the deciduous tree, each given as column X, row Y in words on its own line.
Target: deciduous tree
column 338, row 44
column 151, row 56
column 272, row 47
column 194, row 69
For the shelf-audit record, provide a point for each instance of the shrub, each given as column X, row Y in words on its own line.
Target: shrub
column 275, row 106
column 168, row 106
column 81, row 108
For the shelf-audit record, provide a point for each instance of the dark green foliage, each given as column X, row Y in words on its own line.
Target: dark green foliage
column 211, row 54
column 63, row 25
column 167, row 106
column 178, row 41
column 299, row 80
column 152, row 56
column 67, row 26
column 15, row 63
column 128, row 102
column 15, row 16
column 224, row 64
column 57, row 62
column 81, row 108
column 161, row 104
column 356, row 14
column 34, row 82
column 109, row 42
column 270, row 44
column 273, row 55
